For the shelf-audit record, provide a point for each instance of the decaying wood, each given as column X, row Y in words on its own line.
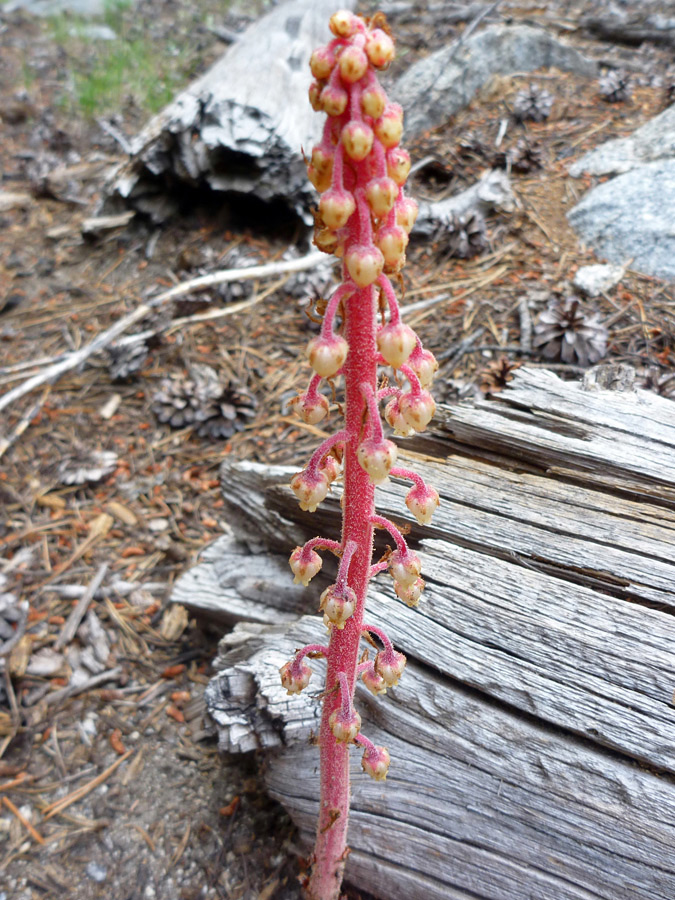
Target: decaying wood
column 241, row 127
column 492, row 191
column 533, row 733
column 623, row 28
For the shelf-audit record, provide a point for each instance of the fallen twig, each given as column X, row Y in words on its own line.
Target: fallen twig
column 52, row 373
column 58, row 806
column 24, row 821
column 6, row 443
column 80, row 608
column 73, row 689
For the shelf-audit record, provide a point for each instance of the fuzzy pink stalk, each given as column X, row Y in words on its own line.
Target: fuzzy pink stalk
column 364, row 218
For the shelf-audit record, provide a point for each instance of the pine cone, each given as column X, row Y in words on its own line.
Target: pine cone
column 525, row 157
column 84, row 465
column 614, row 86
column 532, row 104
column 497, row 375
column 125, row 361
column 312, row 283
column 466, row 235
column 566, row 333
column 214, row 409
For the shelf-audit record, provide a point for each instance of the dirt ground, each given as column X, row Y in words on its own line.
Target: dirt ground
column 110, row 782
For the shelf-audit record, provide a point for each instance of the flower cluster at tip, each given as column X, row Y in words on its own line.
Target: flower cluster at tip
column 364, row 218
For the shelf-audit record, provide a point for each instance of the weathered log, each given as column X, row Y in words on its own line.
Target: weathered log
column 241, row 126
column 623, row 28
column 533, row 734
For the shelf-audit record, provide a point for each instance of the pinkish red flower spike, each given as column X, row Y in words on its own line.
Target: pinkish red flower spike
column 364, row 218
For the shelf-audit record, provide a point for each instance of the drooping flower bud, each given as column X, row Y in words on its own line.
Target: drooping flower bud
column 304, row 565
column 353, row 64
column 392, row 241
column 327, row 355
column 417, row 409
column 389, row 127
column 338, row 604
column 424, row 365
column 345, row 727
column 330, row 467
column 357, row 139
column 315, row 90
column 374, row 682
column 392, row 413
column 309, row 489
column 343, row 23
column 311, row 410
column 320, row 180
column 327, row 241
column 390, row 665
column 380, row 48
column 405, row 566
column 373, row 102
column 406, row 212
column 376, row 456
column 321, row 62
column 333, row 100
column 410, row 593
column 364, row 264
column 381, row 194
column 375, row 762
column 321, row 160
column 398, row 165
column 336, row 206
column 396, row 343
column 422, row 503
column 295, row 676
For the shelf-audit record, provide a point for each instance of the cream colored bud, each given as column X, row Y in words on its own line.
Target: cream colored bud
column 315, row 90
column 375, row 762
column 424, row 365
column 377, row 458
column 405, row 567
column 417, row 409
column 353, row 64
column 343, row 23
column 392, row 413
column 381, row 194
column 321, row 62
column 380, row 48
column 304, row 565
column 327, row 355
column 422, row 503
column 345, row 728
column 320, row 180
column 364, row 265
column 312, row 411
column 333, row 100
column 309, row 490
column 357, row 139
column 396, row 343
column 392, row 241
column 373, row 102
column 338, row 605
column 336, row 207
column 409, row 593
column 295, row 677
column 398, row 165
column 390, row 665
column 389, row 127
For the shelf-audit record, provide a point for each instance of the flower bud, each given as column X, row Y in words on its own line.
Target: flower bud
column 373, row 102
column 410, row 594
column 330, row 467
column 327, row 355
column 338, row 604
column 343, row 23
column 398, row 165
column 380, row 48
column 336, row 206
column 353, row 64
column 392, row 241
column 381, row 194
column 376, row 456
column 374, row 682
column 304, row 565
column 375, row 762
column 311, row 410
column 309, row 489
column 392, row 414
column 390, row 665
column 389, row 127
column 405, row 567
column 327, row 241
column 321, row 62
column 424, row 365
column 333, row 100
column 417, row 409
column 345, row 727
column 295, row 676
column 422, row 503
column 364, row 264
column 357, row 139
column 396, row 343
column 315, row 90
column 406, row 212
column 320, row 180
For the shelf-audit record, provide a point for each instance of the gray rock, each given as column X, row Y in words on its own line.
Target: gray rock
column 436, row 87
column 630, row 217
column 54, row 7
column 654, row 141
column 596, row 280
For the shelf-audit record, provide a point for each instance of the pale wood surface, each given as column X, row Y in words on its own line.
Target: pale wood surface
column 533, row 734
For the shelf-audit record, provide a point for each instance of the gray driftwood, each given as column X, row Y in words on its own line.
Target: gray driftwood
column 533, row 733
column 241, row 126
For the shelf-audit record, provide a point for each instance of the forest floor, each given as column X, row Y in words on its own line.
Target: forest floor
column 110, row 781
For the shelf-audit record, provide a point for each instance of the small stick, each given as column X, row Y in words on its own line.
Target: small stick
column 6, row 443
column 58, row 806
column 525, row 325
column 74, row 689
column 24, row 821
column 52, row 373
column 77, row 614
